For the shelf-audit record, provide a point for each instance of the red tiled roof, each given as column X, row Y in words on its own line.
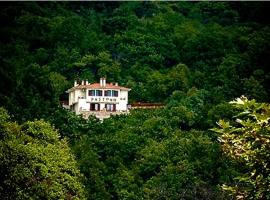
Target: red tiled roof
column 97, row 86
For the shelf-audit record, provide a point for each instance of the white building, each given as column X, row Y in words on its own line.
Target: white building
column 100, row 99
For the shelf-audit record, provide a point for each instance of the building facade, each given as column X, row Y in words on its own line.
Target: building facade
column 100, row 99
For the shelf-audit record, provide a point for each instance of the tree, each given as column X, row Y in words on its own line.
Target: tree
column 96, row 66
column 35, row 163
column 248, row 142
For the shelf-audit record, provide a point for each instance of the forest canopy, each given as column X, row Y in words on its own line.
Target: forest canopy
column 194, row 57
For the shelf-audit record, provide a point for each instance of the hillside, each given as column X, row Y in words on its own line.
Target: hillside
column 192, row 57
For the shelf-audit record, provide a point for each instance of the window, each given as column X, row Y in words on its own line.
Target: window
column 111, row 93
column 110, row 107
column 91, row 92
column 98, row 92
column 94, row 107
column 108, row 93
column 115, row 93
column 95, row 93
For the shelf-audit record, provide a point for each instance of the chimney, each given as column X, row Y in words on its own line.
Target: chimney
column 104, row 82
column 75, row 83
column 116, row 84
column 86, row 82
column 101, row 82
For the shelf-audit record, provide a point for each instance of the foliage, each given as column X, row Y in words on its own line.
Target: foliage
column 192, row 56
column 248, row 142
column 155, row 48
column 35, row 164
column 145, row 156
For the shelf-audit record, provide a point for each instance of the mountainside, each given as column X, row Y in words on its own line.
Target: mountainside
column 191, row 57
column 154, row 48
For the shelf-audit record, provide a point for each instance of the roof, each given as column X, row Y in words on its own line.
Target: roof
column 98, row 86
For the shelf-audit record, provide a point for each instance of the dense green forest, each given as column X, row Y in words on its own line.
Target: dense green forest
column 208, row 62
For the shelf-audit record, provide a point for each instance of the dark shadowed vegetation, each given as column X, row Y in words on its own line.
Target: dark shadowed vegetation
column 192, row 57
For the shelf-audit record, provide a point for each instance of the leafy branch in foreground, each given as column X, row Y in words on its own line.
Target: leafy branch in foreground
column 248, row 142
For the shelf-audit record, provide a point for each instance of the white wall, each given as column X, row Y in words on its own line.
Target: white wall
column 120, row 104
column 102, row 106
column 83, row 103
column 79, row 93
column 70, row 98
column 123, row 100
column 76, row 109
